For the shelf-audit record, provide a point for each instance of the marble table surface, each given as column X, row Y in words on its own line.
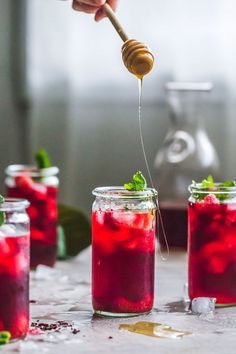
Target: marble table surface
column 64, row 294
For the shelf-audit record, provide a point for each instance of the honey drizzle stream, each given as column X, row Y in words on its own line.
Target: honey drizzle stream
column 140, row 86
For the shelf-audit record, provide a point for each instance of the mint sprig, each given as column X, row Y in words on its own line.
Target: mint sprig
column 5, row 337
column 2, row 213
column 228, row 184
column 209, row 183
column 42, row 159
column 138, row 183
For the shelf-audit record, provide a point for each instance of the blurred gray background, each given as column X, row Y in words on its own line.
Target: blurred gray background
column 63, row 85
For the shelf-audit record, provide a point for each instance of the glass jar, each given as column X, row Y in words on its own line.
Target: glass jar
column 14, row 267
column 40, row 188
column 123, row 251
column 187, row 153
column 212, row 243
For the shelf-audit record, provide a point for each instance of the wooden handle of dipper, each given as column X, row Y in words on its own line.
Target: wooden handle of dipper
column 115, row 22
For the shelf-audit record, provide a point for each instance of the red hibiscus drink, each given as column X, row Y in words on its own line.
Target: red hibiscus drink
column 39, row 187
column 14, row 268
column 212, row 242
column 123, row 246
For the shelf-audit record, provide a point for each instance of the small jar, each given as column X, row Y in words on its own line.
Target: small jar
column 212, row 243
column 123, row 251
column 14, row 267
column 40, row 188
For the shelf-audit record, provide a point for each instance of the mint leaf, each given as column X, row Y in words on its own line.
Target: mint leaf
column 208, row 183
column 228, row 184
column 137, row 184
column 2, row 213
column 2, row 218
column 129, row 186
column 42, row 159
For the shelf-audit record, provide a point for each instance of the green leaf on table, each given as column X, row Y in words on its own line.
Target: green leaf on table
column 2, row 213
column 5, row 337
column 138, row 183
column 42, row 159
column 76, row 231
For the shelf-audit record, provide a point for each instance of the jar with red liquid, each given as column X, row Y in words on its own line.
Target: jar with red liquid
column 39, row 187
column 212, row 243
column 14, row 268
column 187, row 153
column 123, row 251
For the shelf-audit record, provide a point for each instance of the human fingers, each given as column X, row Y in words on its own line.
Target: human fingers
column 100, row 14
column 88, row 6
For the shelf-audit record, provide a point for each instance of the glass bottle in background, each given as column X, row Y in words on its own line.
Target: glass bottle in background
column 39, row 187
column 14, row 267
column 123, row 247
column 187, row 154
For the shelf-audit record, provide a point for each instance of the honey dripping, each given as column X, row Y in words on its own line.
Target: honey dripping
column 139, row 60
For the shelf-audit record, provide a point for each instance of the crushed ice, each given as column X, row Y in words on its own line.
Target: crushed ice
column 203, row 305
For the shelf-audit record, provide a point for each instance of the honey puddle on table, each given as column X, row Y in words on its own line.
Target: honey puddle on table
column 153, row 329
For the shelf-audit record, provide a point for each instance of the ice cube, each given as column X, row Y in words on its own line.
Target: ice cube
column 40, row 191
column 99, row 217
column 203, row 305
column 21, row 263
column 123, row 217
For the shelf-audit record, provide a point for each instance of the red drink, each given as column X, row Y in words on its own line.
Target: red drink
column 212, row 249
column 14, row 280
column 41, row 191
column 175, row 221
column 123, row 261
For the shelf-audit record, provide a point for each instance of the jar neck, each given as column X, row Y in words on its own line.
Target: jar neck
column 221, row 193
column 187, row 109
column 31, row 171
column 118, row 198
column 11, row 205
column 120, row 193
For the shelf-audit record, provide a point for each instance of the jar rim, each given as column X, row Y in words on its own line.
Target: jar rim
column 14, row 204
column 217, row 189
column 119, row 192
column 31, row 170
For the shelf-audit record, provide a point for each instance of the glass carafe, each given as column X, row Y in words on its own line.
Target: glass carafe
column 187, row 154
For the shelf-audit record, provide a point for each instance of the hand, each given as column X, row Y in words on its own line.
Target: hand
column 93, row 7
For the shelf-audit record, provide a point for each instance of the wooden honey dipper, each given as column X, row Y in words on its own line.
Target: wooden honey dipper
column 136, row 56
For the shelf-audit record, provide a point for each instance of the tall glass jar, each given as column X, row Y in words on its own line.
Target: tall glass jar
column 14, row 267
column 123, row 247
column 187, row 153
column 40, row 188
column 212, row 243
